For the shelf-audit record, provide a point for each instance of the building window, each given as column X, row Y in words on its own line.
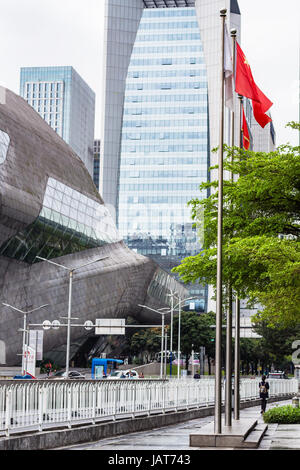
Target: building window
column 166, row 62
column 4, row 144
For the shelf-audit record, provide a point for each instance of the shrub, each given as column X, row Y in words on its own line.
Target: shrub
column 282, row 415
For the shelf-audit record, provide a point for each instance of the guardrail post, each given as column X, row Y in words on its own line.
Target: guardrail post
column 149, row 398
column 69, row 407
column 8, row 412
column 163, row 399
column 207, row 394
column 94, row 404
column 41, row 406
column 115, row 403
column 133, row 401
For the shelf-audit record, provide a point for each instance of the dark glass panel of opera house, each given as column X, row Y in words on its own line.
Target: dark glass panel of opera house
column 4, row 144
column 69, row 222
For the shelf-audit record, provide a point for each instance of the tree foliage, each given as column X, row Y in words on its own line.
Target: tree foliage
column 195, row 331
column 261, row 230
column 146, row 340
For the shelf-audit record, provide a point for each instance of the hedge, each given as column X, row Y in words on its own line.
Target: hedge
column 287, row 414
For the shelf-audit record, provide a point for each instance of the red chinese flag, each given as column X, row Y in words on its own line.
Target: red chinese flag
column 258, row 110
column 246, row 86
column 246, row 137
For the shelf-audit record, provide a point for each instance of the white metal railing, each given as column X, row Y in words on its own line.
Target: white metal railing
column 38, row 406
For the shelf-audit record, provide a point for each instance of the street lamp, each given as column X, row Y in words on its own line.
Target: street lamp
column 71, row 271
column 25, row 340
column 162, row 313
column 179, row 328
column 180, row 299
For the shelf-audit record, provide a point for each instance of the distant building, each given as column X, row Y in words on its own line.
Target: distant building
column 66, row 103
column 264, row 140
column 161, row 95
column 261, row 139
column 161, row 100
column 96, row 174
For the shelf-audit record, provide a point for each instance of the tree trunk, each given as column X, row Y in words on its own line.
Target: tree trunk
column 209, row 365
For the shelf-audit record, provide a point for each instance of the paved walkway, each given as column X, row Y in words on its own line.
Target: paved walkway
column 277, row 437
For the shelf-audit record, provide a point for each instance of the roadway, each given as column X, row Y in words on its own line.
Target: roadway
column 176, row 437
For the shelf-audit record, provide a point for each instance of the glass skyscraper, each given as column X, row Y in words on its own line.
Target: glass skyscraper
column 161, row 119
column 165, row 139
column 66, row 103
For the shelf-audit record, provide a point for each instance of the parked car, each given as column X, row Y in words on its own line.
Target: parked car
column 24, row 377
column 62, row 375
column 277, row 375
column 124, row 374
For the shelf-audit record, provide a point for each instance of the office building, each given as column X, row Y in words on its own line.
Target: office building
column 66, row 103
column 161, row 98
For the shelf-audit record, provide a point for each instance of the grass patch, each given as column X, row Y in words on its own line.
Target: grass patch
column 282, row 415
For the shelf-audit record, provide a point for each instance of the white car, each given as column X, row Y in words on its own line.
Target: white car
column 62, row 375
column 124, row 374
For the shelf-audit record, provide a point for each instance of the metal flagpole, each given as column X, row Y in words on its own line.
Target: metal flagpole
column 162, row 344
column 228, row 387
column 171, row 333
column 237, row 321
column 179, row 321
column 218, row 365
column 166, row 346
column 237, row 360
column 69, row 324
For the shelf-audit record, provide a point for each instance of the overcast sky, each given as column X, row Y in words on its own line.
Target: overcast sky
column 69, row 32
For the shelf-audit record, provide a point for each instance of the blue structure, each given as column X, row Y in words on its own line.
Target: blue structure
column 66, row 103
column 100, row 366
column 165, row 139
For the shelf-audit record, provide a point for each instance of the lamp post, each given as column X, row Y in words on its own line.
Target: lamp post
column 171, row 332
column 173, row 294
column 162, row 313
column 25, row 338
column 179, row 338
column 69, row 318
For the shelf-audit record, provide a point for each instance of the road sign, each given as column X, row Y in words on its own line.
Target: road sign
column 30, row 359
column 88, row 325
column 110, row 326
column 36, row 342
column 55, row 324
column 47, row 325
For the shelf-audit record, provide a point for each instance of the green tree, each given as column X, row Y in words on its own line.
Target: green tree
column 146, row 340
column 261, row 229
column 276, row 344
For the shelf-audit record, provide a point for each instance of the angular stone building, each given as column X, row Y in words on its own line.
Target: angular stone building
column 49, row 207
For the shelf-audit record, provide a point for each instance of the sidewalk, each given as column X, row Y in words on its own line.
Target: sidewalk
column 277, row 437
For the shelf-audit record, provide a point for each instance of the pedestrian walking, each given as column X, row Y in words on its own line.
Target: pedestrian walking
column 48, row 368
column 263, row 393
